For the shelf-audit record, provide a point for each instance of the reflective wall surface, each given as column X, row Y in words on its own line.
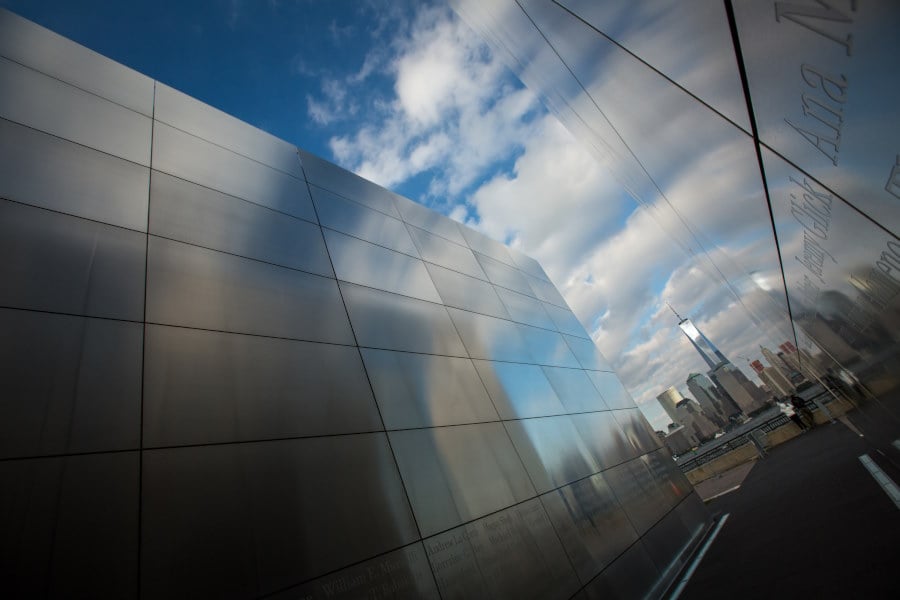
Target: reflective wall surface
column 232, row 369
column 762, row 136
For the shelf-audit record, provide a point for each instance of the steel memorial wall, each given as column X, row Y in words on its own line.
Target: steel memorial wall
column 233, row 369
column 763, row 136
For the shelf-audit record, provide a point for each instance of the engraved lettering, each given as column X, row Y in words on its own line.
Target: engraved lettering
column 818, row 141
column 815, row 19
column 835, row 121
column 893, row 184
column 836, row 90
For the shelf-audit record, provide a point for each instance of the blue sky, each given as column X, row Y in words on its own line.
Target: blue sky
column 405, row 94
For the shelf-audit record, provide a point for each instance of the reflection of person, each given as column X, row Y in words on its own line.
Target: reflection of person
column 789, row 411
column 799, row 405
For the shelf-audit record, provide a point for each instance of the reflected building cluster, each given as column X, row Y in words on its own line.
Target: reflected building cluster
column 233, row 369
column 762, row 136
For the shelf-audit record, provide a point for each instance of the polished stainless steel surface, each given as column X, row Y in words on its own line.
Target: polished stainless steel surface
column 233, row 424
column 355, row 219
column 590, row 522
column 518, row 390
column 547, row 347
column 366, row 264
column 180, row 110
column 456, row 474
column 403, row 573
column 86, row 183
column 198, row 215
column 420, row 390
column 436, row 249
column 510, row 554
column 631, row 575
column 34, row 46
column 545, row 291
column 392, row 322
column 36, row 100
column 565, row 321
column 503, row 275
column 525, row 309
column 824, row 98
column 65, row 264
column 195, row 287
column 416, row 214
column 684, row 41
column 587, row 354
column 527, row 265
column 71, row 384
column 614, row 393
column 461, row 291
column 489, row 337
column 479, row 242
column 70, row 526
column 191, row 158
column 324, row 174
column 250, row 519
column 204, row 387
column 551, row 450
column 575, row 390
column 604, row 437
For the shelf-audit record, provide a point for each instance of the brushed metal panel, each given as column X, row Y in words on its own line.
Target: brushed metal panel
column 434, row 248
column 670, row 541
column 825, row 99
column 527, row 265
column 525, row 309
column 586, row 352
column 39, row 48
column 591, row 524
column 690, row 44
column 196, row 287
column 664, row 469
column 461, row 291
column 547, row 347
column 456, row 474
column 481, row 243
column 429, row 220
column 637, row 430
column 552, row 451
column 43, row 170
column 511, row 554
column 614, row 393
column 60, row 263
column 565, row 321
column 403, row 573
column 366, row 264
column 545, row 291
column 191, row 213
column 194, row 159
column 207, row 387
column 504, row 275
column 632, row 575
column 605, row 438
column 490, row 338
column 36, row 100
column 388, row 321
column 70, row 526
column 641, row 495
column 204, row 121
column 251, row 519
column 355, row 219
column 574, row 389
column 420, row 390
column 68, row 384
column 331, row 177
column 519, row 391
